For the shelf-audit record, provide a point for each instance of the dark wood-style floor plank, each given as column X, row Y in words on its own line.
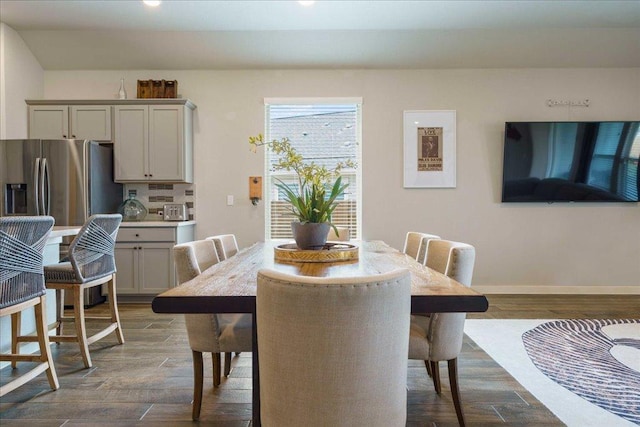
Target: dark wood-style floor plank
column 148, row 380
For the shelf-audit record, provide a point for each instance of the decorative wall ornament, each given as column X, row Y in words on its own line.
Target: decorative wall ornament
column 567, row 103
column 429, row 148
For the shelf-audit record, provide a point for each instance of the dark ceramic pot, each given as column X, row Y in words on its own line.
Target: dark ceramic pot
column 310, row 235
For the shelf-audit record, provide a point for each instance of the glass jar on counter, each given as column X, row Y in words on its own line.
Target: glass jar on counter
column 132, row 209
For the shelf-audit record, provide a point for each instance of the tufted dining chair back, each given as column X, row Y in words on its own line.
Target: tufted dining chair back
column 226, row 245
column 343, row 234
column 416, row 243
column 333, row 351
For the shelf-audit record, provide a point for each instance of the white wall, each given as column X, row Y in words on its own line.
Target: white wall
column 520, row 248
column 21, row 77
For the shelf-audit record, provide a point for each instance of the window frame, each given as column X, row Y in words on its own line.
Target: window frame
column 356, row 232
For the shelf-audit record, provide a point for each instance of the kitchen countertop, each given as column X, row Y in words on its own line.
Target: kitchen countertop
column 64, row 230
column 156, row 224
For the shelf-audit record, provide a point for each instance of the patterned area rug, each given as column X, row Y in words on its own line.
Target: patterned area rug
column 587, row 372
column 599, row 360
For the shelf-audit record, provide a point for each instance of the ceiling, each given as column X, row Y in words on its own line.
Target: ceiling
column 115, row 34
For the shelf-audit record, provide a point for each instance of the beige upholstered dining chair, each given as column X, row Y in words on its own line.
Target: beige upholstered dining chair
column 22, row 242
column 439, row 337
column 91, row 263
column 209, row 333
column 226, row 245
column 333, row 351
column 343, row 234
column 416, row 243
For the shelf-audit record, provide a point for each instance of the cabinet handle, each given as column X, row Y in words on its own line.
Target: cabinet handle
column 137, row 235
column 150, row 174
column 64, row 136
column 73, row 136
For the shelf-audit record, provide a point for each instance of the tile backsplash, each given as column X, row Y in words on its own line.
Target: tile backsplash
column 154, row 196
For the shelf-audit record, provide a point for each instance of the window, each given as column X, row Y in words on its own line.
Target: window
column 323, row 130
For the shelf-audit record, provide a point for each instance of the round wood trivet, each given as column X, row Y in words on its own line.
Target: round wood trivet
column 331, row 252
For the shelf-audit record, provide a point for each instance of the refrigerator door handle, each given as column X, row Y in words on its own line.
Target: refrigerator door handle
column 36, row 181
column 85, row 179
column 46, row 197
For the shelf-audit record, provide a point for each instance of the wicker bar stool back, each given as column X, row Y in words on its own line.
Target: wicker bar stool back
column 91, row 263
column 22, row 242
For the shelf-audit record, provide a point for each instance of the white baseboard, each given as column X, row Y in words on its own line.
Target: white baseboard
column 560, row 290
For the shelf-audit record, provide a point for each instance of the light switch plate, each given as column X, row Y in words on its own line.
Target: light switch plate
column 230, row 200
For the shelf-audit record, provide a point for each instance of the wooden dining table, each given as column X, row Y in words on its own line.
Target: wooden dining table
column 230, row 287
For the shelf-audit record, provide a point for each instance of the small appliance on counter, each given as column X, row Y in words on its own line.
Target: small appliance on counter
column 174, row 212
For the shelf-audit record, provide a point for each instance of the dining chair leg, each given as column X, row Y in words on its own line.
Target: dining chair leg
column 435, row 372
column 455, row 390
column 81, row 329
column 427, row 363
column 59, row 310
column 43, row 341
column 197, row 384
column 16, row 323
column 216, row 369
column 227, row 364
column 113, row 307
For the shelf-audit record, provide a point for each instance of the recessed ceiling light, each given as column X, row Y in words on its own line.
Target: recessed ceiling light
column 306, row 3
column 152, row 3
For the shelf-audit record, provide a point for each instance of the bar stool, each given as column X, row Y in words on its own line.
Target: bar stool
column 91, row 263
column 22, row 242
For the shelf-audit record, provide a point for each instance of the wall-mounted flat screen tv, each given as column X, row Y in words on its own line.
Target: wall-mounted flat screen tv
column 571, row 162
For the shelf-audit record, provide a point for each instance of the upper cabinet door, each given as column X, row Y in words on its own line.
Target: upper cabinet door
column 131, row 143
column 91, row 122
column 152, row 139
column 70, row 122
column 166, row 142
column 49, row 122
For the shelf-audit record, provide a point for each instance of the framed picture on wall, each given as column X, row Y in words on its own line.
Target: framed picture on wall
column 429, row 148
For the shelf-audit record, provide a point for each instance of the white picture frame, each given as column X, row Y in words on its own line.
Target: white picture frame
column 429, row 148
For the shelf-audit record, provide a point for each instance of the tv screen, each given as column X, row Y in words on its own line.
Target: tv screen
column 571, row 162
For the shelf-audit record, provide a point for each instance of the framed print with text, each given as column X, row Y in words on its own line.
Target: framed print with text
column 429, row 149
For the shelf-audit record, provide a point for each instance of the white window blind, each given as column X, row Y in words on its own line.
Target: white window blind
column 604, row 154
column 629, row 173
column 325, row 131
column 562, row 144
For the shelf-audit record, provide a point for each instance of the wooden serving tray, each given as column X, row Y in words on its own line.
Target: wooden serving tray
column 331, row 252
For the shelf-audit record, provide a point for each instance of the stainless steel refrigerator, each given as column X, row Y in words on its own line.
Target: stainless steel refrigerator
column 68, row 179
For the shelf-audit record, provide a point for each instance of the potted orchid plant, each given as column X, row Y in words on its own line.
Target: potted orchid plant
column 314, row 199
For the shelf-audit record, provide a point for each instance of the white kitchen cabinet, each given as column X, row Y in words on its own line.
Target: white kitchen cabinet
column 153, row 143
column 144, row 268
column 144, row 257
column 70, row 122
